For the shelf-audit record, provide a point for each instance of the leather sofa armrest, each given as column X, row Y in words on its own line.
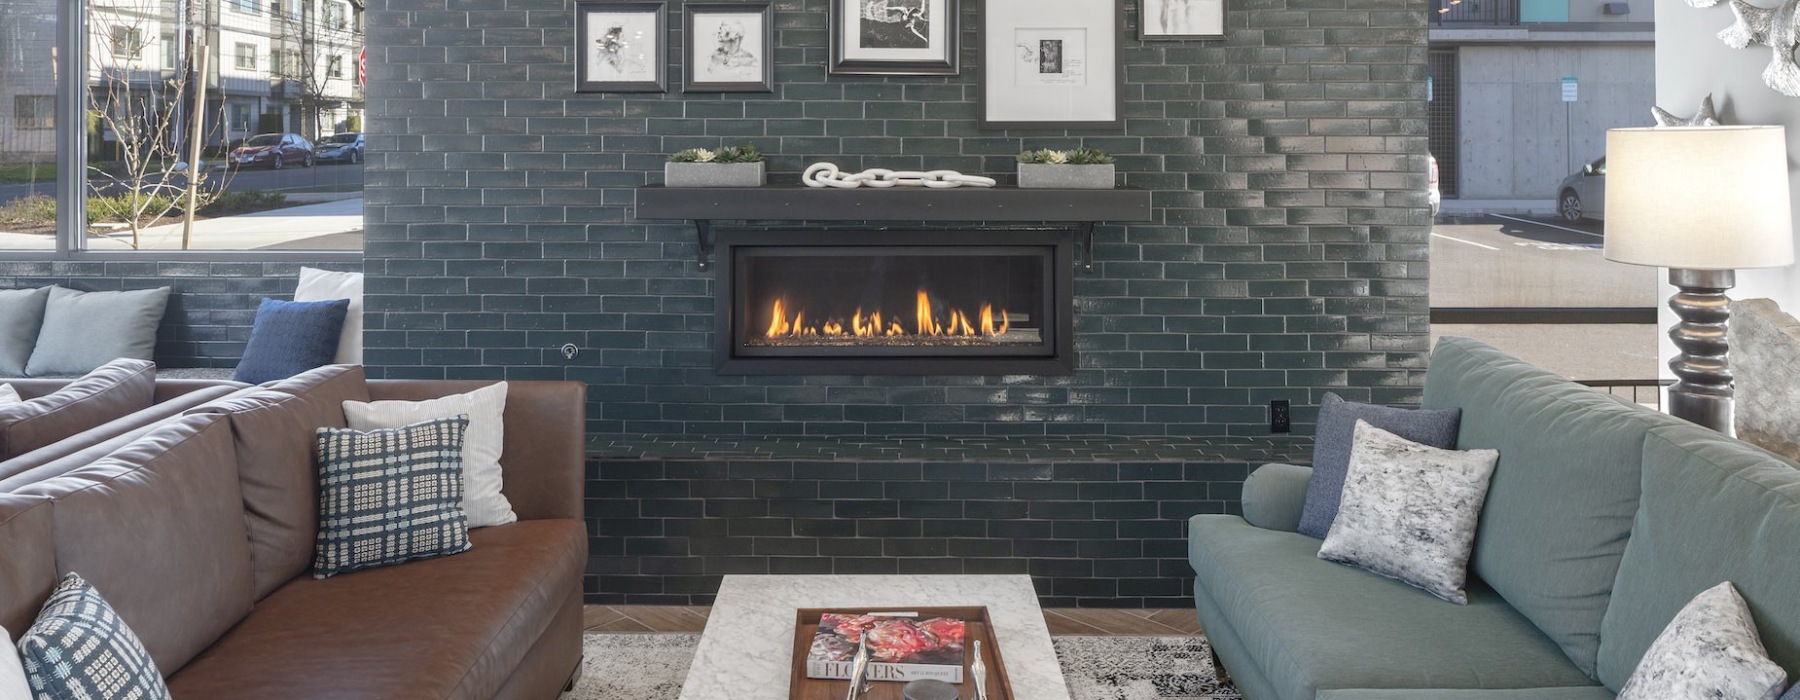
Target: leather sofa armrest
column 1274, row 495
column 546, row 439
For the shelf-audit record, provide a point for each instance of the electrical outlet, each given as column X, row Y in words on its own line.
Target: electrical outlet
column 1281, row 416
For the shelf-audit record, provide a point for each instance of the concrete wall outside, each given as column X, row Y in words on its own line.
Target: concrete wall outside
column 1515, row 128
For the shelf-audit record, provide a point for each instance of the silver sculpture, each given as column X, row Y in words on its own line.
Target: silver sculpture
column 1778, row 29
column 1705, row 117
column 828, row 175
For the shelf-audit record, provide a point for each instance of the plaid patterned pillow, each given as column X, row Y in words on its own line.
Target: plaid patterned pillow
column 80, row 648
column 388, row 496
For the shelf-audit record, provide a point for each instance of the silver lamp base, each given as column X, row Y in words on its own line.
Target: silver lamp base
column 1702, row 391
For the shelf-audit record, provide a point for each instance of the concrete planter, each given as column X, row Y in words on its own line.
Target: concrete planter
column 1069, row 177
column 713, row 174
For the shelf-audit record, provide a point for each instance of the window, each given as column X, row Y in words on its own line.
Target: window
column 127, row 42
column 168, row 53
column 34, row 112
column 334, row 68
column 246, row 56
column 240, row 117
column 336, row 15
column 248, row 7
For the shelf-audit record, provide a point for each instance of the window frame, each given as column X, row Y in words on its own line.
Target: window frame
column 241, row 59
column 71, row 63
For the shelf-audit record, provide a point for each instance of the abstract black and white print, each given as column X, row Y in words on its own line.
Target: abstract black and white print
column 1051, row 57
column 623, row 46
column 893, row 24
column 1182, row 18
column 728, row 47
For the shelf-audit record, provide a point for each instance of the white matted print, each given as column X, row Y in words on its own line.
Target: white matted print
column 621, row 46
column 1051, row 56
column 1051, row 64
column 729, row 47
column 1181, row 19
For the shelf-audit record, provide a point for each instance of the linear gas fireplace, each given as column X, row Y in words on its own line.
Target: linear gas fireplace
column 972, row 301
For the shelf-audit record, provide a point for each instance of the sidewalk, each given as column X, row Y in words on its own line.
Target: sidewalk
column 329, row 225
column 1527, row 207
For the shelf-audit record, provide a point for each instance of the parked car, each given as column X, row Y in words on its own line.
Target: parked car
column 1432, row 194
column 1582, row 195
column 345, row 147
column 274, row 151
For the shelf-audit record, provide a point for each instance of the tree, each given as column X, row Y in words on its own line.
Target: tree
column 134, row 94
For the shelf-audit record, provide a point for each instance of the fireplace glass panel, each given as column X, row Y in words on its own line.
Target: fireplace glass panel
column 894, row 300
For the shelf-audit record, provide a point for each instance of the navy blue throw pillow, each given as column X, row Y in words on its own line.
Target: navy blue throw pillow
column 291, row 337
column 1331, row 449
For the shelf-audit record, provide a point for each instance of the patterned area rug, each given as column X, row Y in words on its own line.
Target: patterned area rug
column 652, row 666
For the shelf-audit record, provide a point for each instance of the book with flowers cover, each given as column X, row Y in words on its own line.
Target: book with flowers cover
column 902, row 646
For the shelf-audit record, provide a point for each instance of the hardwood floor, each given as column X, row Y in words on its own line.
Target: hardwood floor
column 1061, row 621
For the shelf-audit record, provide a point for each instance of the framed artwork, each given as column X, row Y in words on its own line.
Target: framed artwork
column 895, row 37
column 1051, row 64
column 1167, row 20
column 620, row 45
column 730, row 47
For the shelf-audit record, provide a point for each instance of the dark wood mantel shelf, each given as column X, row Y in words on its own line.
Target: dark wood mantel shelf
column 703, row 205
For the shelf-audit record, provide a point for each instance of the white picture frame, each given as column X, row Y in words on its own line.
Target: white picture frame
column 1051, row 64
column 1177, row 20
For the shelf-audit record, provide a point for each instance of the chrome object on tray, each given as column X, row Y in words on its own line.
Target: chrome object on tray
column 979, row 671
column 859, row 668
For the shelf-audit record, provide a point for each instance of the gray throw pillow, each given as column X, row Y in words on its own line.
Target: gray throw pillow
column 1409, row 511
column 1331, row 449
column 1710, row 650
column 84, row 330
column 21, row 313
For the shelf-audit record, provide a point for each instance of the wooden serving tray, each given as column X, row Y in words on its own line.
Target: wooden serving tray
column 976, row 625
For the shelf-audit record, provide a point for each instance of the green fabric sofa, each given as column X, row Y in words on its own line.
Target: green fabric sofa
column 1603, row 519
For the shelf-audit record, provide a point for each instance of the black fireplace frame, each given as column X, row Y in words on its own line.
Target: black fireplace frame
column 1059, row 304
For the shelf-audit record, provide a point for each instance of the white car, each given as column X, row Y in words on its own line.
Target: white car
column 1432, row 194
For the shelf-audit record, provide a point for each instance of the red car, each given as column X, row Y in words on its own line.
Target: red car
column 273, row 151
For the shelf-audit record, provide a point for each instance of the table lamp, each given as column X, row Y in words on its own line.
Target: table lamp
column 1703, row 202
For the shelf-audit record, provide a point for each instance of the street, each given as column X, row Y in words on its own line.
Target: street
column 1506, row 261
column 333, row 177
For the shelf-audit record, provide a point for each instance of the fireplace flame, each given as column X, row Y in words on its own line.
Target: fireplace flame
column 955, row 322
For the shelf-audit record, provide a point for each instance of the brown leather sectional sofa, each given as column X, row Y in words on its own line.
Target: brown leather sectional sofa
column 200, row 531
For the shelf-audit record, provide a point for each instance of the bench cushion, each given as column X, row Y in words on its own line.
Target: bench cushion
column 1561, row 502
column 1714, row 509
column 1312, row 624
column 454, row 627
column 1588, row 693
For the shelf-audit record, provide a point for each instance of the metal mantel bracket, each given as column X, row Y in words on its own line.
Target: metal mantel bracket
column 703, row 245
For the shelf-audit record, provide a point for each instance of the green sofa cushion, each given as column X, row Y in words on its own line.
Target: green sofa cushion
column 1589, row 693
column 1560, row 506
column 1312, row 624
column 1714, row 509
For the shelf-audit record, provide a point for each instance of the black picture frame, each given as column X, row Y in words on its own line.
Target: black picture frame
column 1180, row 20
column 725, row 55
column 936, row 21
column 1027, row 85
column 627, row 24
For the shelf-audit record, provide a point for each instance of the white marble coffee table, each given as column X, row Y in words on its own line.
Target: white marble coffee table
column 747, row 651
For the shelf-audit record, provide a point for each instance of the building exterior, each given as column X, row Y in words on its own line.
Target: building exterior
column 272, row 65
column 1523, row 91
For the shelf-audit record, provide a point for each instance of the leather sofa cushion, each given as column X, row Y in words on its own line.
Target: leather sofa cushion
column 1560, row 505
column 1311, row 624
column 158, row 528
column 1588, row 693
column 275, row 444
column 1714, row 509
column 110, row 392
column 454, row 627
column 28, row 548
column 84, row 447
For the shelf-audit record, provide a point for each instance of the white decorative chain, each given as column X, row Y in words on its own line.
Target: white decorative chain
column 828, row 175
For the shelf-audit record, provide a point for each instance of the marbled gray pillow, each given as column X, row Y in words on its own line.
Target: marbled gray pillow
column 1709, row 651
column 1409, row 511
column 1331, row 448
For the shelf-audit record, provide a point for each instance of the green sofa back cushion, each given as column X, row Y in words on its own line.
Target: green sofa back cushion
column 1560, row 506
column 1714, row 509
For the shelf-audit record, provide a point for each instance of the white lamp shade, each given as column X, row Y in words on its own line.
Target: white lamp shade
column 1699, row 198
